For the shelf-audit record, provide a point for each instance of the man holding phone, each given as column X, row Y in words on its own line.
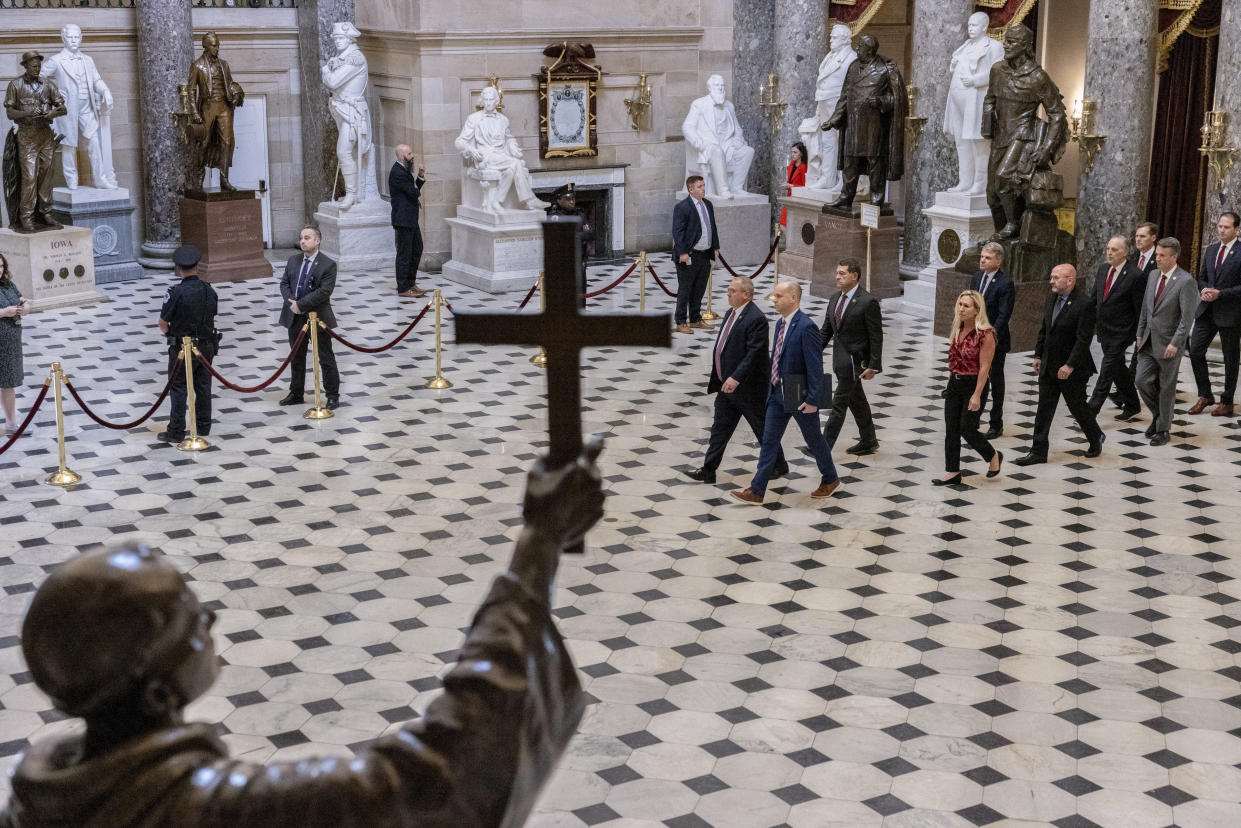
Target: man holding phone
column 405, row 187
column 853, row 320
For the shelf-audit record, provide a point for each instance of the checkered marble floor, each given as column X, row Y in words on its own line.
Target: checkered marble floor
column 1059, row 645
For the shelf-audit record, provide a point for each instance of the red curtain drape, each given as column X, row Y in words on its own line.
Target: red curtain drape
column 1176, row 191
column 1005, row 13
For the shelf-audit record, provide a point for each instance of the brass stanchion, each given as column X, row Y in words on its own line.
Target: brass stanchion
column 642, row 282
column 541, row 357
column 320, row 411
column 709, row 315
column 439, row 380
column 192, row 442
column 63, row 477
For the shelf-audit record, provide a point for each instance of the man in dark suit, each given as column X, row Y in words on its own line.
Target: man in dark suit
column 1118, row 290
column 1144, row 247
column 307, row 285
column 1168, row 306
column 794, row 389
column 739, row 372
column 999, row 295
column 404, row 188
column 853, row 322
column 695, row 240
column 1063, row 363
column 1219, row 312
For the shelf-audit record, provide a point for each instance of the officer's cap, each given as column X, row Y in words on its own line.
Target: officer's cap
column 186, row 256
column 563, row 190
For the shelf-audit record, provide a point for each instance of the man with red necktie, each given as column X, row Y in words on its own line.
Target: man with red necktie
column 1163, row 328
column 1219, row 283
column 1118, row 290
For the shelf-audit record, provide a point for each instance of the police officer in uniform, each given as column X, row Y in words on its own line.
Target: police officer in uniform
column 566, row 205
column 189, row 310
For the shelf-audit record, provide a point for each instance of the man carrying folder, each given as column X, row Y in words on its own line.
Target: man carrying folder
column 795, row 388
column 854, row 323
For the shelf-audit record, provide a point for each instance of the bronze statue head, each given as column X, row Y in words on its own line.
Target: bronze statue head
column 867, row 47
column 1018, row 41
column 118, row 628
column 211, row 44
column 32, row 62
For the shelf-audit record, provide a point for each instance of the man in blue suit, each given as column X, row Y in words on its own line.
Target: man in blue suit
column 695, row 241
column 999, row 295
column 794, row 389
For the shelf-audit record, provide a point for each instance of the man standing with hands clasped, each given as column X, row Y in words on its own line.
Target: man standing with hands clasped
column 854, row 323
column 695, row 242
column 309, row 279
column 404, row 188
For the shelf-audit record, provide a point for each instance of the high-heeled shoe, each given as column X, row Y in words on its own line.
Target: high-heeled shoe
column 996, row 470
column 951, row 481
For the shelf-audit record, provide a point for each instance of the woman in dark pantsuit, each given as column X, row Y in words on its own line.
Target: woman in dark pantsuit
column 971, row 347
column 12, row 308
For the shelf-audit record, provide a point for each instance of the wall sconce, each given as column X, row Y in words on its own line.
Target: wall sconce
column 1214, row 136
column 1081, row 130
column 638, row 105
column 768, row 99
column 913, row 124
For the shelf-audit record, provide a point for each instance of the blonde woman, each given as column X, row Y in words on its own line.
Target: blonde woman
column 971, row 347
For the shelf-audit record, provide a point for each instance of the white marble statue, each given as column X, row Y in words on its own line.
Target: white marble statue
column 822, row 172
column 89, row 118
column 717, row 150
column 971, row 72
column 494, row 166
column 345, row 77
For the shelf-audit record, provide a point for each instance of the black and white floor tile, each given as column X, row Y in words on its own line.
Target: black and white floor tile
column 1059, row 645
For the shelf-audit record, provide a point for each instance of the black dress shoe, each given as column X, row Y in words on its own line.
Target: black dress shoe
column 1161, row 438
column 995, row 432
column 1151, row 430
column 292, row 399
column 1128, row 414
column 860, row 448
column 951, row 481
column 999, row 466
column 701, row 475
column 1095, row 449
column 333, row 402
column 1030, row 459
column 169, row 437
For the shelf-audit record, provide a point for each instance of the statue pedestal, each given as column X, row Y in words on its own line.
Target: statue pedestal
column 228, row 228
column 818, row 240
column 54, row 268
column 107, row 214
column 744, row 222
column 496, row 252
column 958, row 221
column 359, row 238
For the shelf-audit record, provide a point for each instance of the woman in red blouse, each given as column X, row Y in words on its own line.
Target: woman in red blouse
column 795, row 174
column 971, row 347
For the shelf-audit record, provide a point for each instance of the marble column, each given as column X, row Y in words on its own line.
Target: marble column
column 800, row 44
column 753, row 44
column 1120, row 74
column 314, row 42
column 938, row 29
column 1225, row 194
column 165, row 49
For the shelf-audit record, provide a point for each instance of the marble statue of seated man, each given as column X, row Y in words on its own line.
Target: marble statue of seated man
column 494, row 161
column 117, row 637
column 717, row 149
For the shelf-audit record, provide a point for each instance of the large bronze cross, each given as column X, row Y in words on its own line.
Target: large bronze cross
column 563, row 332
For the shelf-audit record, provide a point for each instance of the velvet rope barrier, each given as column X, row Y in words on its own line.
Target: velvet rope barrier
column 662, row 286
column 73, row 392
column 29, row 417
column 753, row 275
column 381, row 348
column 529, row 295
column 623, row 277
column 241, row 389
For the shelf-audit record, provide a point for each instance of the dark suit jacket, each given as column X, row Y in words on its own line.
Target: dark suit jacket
column 318, row 299
column 1000, row 298
column 744, row 356
column 802, row 353
column 687, row 227
column 1150, row 268
column 1116, row 320
column 1225, row 310
column 404, row 190
column 1067, row 341
column 860, row 338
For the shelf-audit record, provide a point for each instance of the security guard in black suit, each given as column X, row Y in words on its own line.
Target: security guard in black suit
column 189, row 310
column 566, row 205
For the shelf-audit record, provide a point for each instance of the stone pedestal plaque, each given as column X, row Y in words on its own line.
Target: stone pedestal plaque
column 109, row 215
column 744, row 222
column 359, row 238
column 958, row 221
column 228, row 228
column 54, row 268
column 496, row 252
column 817, row 241
column 800, row 232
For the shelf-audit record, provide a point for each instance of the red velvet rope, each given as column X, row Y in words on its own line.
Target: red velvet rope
column 241, row 388
column 381, row 348
column 73, row 392
column 623, row 277
column 753, row 275
column 26, row 422
column 529, row 295
column 657, row 280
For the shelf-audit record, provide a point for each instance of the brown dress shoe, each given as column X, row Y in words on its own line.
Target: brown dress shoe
column 1200, row 406
column 826, row 490
column 1222, row 410
column 700, row 324
column 747, row 496
column 409, row 294
column 683, row 328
